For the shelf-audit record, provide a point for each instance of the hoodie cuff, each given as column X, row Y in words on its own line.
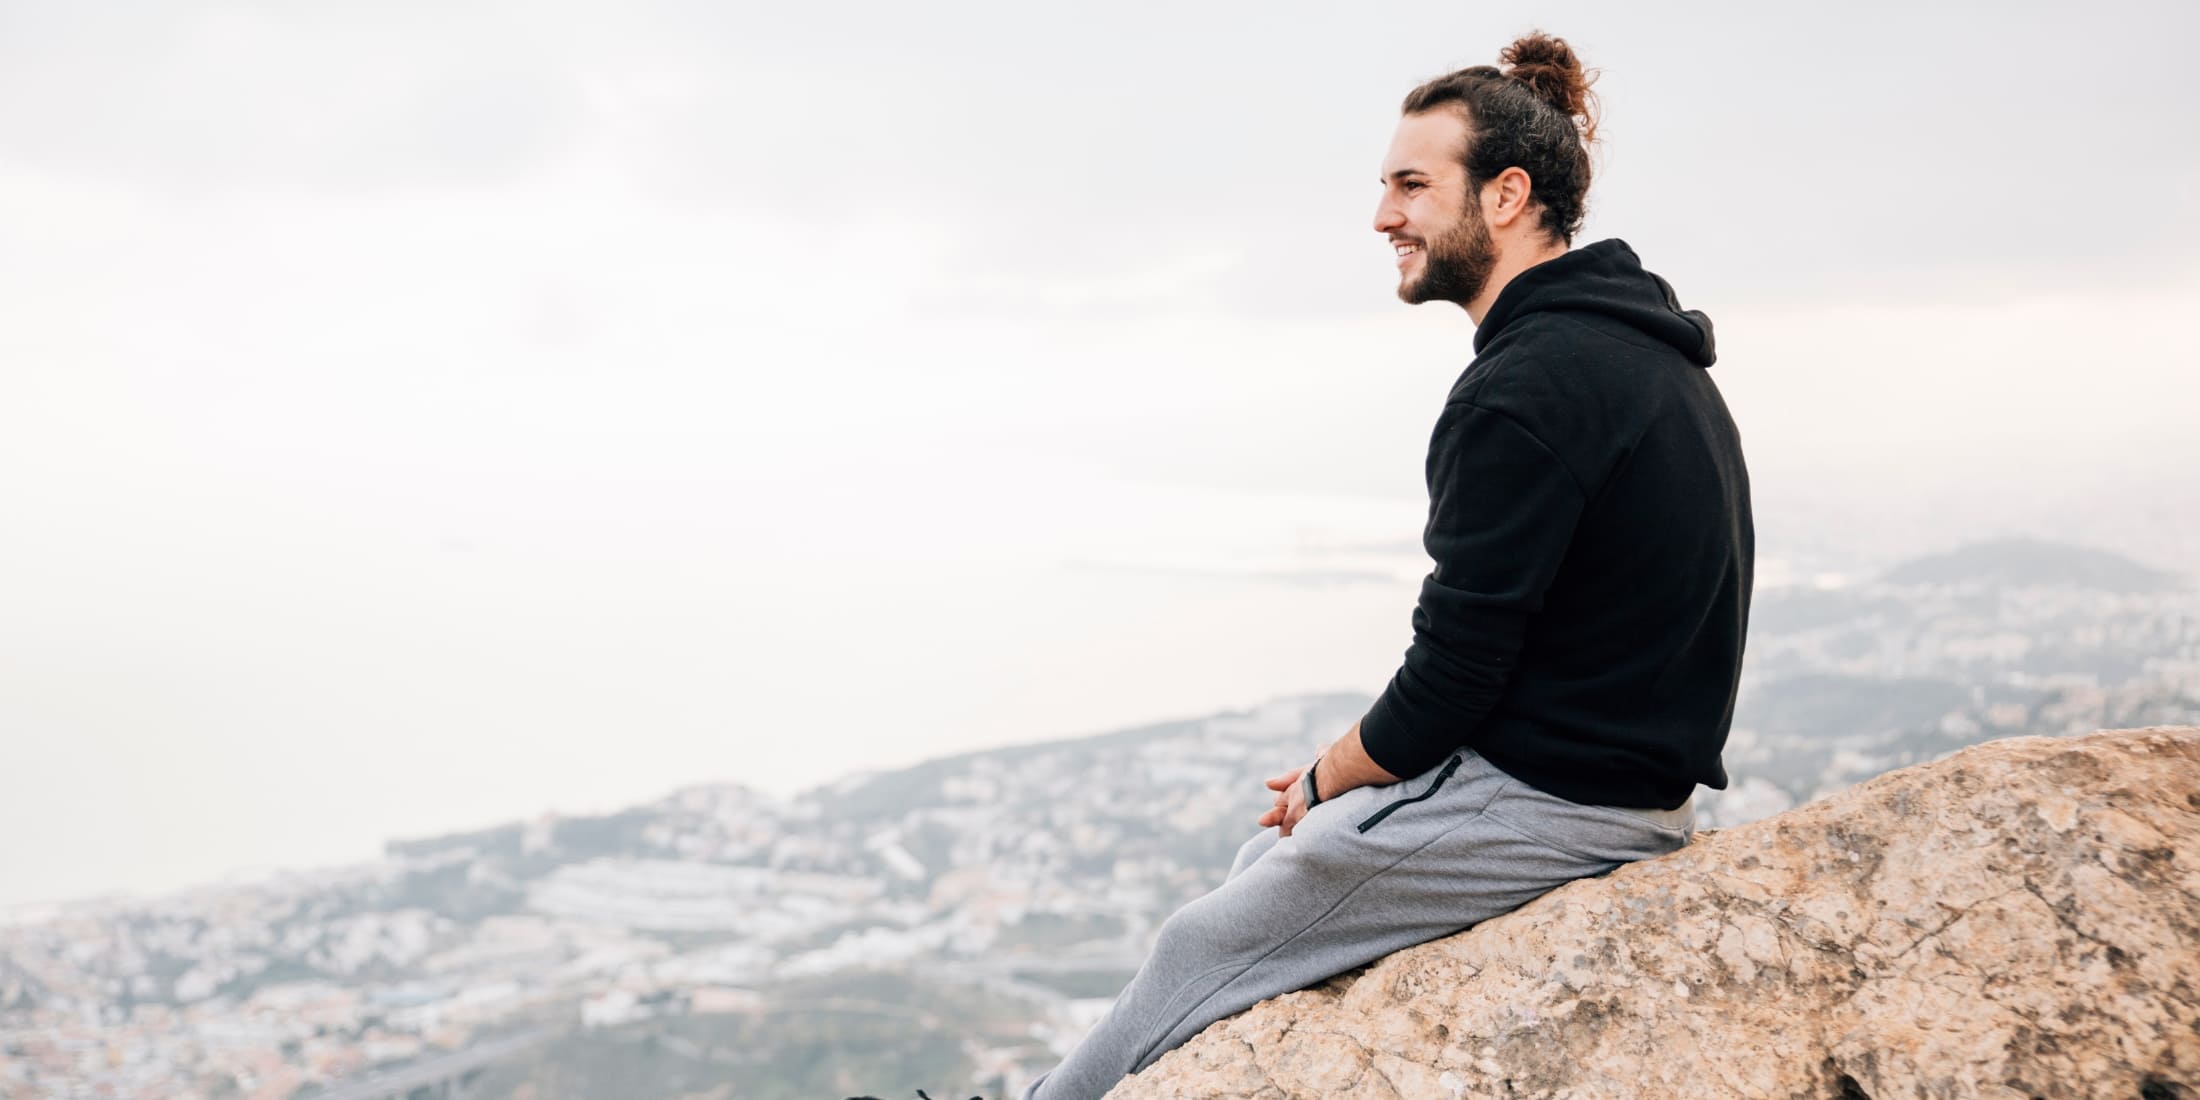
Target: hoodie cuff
column 1394, row 746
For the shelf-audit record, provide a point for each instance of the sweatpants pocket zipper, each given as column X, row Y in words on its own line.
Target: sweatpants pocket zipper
column 1450, row 766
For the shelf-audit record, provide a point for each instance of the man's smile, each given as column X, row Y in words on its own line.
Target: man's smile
column 1406, row 251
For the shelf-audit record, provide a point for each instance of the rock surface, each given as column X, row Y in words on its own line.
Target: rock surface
column 2021, row 919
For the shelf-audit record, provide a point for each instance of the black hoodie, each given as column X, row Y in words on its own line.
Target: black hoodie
column 1589, row 519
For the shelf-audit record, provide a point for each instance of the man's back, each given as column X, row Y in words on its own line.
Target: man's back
column 1589, row 519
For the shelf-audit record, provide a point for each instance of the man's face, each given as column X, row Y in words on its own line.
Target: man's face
column 1445, row 253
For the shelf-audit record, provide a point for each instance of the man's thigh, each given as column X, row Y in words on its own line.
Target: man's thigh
column 1382, row 867
column 1361, row 865
column 1370, row 872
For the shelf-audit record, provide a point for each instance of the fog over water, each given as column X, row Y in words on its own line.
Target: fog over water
column 417, row 418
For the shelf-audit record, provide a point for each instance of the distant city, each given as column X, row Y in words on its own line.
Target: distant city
column 958, row 924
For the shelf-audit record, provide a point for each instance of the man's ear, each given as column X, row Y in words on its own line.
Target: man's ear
column 1507, row 198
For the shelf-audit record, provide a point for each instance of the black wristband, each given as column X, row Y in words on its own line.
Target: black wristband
column 1313, row 798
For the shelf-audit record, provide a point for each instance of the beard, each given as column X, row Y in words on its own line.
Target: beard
column 1456, row 264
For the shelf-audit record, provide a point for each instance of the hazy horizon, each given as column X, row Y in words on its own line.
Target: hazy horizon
column 30, row 907
column 419, row 419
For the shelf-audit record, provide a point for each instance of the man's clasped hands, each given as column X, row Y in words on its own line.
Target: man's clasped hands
column 1340, row 766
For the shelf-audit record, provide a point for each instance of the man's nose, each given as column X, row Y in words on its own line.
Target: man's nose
column 1388, row 217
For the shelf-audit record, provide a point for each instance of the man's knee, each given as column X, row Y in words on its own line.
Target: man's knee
column 1214, row 928
column 1252, row 850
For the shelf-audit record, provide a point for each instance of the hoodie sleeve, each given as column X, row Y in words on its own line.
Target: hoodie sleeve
column 1502, row 510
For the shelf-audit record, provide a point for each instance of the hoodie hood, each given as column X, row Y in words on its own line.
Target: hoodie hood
column 1604, row 278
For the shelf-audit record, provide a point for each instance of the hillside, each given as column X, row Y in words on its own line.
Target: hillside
column 2034, row 563
column 2018, row 920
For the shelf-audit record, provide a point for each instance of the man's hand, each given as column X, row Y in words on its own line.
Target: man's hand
column 1345, row 765
column 1290, row 801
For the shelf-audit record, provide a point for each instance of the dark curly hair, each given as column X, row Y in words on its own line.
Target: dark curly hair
column 1537, row 115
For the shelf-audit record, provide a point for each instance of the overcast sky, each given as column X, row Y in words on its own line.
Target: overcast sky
column 418, row 416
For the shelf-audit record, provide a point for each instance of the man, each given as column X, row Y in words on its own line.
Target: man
column 1576, row 648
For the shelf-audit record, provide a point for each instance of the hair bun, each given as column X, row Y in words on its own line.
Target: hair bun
column 1549, row 68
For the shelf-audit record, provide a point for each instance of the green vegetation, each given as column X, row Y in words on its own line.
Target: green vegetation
column 1079, row 983
column 1053, row 930
column 848, row 1034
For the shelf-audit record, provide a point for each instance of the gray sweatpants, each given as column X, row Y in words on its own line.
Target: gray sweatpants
column 1371, row 871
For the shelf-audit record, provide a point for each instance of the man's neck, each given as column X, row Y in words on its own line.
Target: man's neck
column 1510, row 263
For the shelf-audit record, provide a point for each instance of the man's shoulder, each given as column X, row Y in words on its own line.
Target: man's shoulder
column 1577, row 386
column 1533, row 365
column 1566, row 339
column 1562, row 362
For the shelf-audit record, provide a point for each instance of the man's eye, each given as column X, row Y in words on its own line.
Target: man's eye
column 1414, row 185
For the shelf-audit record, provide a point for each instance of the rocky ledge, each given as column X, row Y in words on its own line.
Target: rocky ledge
column 2020, row 919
